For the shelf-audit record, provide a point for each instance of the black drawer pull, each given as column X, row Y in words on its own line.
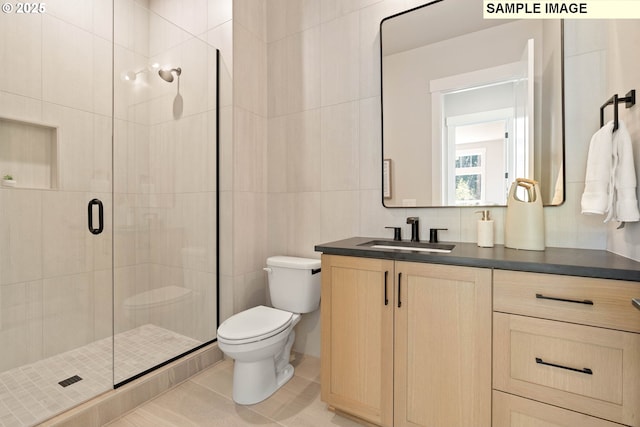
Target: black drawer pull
column 399, row 299
column 584, row 301
column 582, row 371
column 386, row 298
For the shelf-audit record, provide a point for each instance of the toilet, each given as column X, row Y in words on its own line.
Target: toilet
column 260, row 339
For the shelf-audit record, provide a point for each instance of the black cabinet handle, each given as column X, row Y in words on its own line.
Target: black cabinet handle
column 582, row 371
column 399, row 299
column 92, row 203
column 636, row 303
column 585, row 301
column 386, row 298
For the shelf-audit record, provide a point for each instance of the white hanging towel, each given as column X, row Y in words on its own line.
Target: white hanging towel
column 624, row 207
column 597, row 197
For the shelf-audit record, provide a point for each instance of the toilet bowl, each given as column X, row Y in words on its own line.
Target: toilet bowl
column 260, row 339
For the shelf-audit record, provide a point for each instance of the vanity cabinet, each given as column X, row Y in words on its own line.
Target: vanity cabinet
column 357, row 337
column 406, row 344
column 564, row 341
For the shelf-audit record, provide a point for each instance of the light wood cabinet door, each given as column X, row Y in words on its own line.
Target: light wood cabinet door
column 357, row 337
column 591, row 370
column 514, row 411
column 442, row 345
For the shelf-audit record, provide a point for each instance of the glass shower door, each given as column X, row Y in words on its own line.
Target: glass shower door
column 55, row 157
column 165, row 189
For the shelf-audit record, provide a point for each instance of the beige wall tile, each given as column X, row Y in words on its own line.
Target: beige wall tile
column 67, row 64
column 219, row 12
column 250, row 151
column 20, row 107
column 21, row 52
column 375, row 217
column 251, row 14
column 277, row 154
column 66, row 243
column 279, row 208
column 340, row 59
column 304, row 151
column 20, row 236
column 305, row 224
column 250, row 62
column 340, row 215
column 75, row 146
column 340, row 147
column 20, row 323
column 370, row 144
column 277, row 72
column 303, row 85
column 190, row 15
column 68, row 306
column 249, row 232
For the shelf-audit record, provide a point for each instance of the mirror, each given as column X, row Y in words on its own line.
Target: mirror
column 469, row 105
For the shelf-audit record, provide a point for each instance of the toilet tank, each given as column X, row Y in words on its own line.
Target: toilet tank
column 294, row 283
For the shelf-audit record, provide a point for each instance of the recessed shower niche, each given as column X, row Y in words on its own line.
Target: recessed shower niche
column 28, row 154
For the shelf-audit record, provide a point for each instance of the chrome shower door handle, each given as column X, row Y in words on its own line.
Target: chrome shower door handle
column 636, row 302
column 98, row 203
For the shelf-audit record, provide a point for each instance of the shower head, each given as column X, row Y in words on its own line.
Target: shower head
column 167, row 75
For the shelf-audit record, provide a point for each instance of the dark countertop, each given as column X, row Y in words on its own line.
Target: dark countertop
column 566, row 261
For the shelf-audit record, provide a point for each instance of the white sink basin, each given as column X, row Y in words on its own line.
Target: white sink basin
column 409, row 246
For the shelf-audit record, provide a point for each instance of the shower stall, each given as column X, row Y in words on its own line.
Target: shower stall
column 108, row 202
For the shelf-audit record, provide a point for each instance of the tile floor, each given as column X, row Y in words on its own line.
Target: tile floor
column 205, row 400
column 30, row 394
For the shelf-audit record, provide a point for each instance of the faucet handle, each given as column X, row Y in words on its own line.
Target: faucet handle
column 433, row 234
column 412, row 219
column 397, row 233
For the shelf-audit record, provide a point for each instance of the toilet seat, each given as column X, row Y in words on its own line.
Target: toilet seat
column 255, row 324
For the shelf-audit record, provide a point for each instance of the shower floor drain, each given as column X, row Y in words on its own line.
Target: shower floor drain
column 71, row 380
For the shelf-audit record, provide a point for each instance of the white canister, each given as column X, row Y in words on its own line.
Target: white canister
column 485, row 230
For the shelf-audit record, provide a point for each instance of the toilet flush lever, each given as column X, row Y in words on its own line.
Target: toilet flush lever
column 267, row 269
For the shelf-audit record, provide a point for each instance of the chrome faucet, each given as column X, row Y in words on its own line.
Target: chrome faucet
column 415, row 228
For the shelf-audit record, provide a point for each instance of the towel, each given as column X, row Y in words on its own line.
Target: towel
column 610, row 182
column 624, row 206
column 596, row 195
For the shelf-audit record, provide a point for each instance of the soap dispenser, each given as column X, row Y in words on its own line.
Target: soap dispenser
column 485, row 230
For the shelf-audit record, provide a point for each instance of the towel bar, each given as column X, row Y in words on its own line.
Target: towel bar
column 629, row 99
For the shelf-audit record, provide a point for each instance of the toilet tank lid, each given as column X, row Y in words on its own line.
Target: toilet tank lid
column 293, row 262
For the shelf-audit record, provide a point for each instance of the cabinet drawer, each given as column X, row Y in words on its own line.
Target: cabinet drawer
column 514, row 411
column 589, row 301
column 590, row 370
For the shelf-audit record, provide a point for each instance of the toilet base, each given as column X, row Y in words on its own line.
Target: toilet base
column 253, row 382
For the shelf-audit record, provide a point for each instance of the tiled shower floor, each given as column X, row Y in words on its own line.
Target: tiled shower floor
column 30, row 394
